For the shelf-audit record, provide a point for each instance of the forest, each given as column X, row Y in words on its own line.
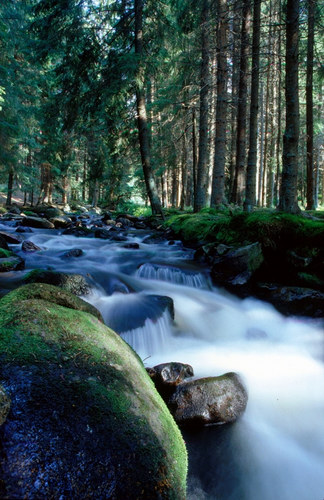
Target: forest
column 185, row 104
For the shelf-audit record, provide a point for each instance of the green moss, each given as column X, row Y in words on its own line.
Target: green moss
column 91, row 368
column 271, row 228
column 5, row 253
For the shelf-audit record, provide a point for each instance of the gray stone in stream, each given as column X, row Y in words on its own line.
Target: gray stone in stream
column 21, row 229
column 3, row 243
column 74, row 283
column 167, row 376
column 12, row 263
column 212, row 400
column 29, row 246
column 37, row 222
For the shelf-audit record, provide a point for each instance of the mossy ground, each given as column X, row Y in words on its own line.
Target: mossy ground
column 270, row 228
column 90, row 368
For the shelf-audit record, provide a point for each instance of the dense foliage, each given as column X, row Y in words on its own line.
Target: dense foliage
column 76, row 86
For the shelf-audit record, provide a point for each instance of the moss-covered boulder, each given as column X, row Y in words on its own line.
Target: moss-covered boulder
column 11, row 263
column 85, row 419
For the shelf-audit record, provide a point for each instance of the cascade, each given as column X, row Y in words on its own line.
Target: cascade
column 276, row 450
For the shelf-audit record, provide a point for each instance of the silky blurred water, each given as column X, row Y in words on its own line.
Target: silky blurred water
column 276, row 450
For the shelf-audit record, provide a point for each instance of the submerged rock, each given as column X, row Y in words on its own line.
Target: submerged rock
column 4, row 405
column 211, row 400
column 85, row 419
column 29, row 246
column 74, row 252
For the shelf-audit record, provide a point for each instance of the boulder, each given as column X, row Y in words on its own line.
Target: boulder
column 48, row 211
column 85, row 419
column 74, row 252
column 21, row 229
column 212, row 400
column 125, row 222
column 10, row 238
column 11, row 263
column 4, row 405
column 167, row 376
column 236, row 266
column 79, row 231
column 61, row 221
column 74, row 283
column 103, row 234
column 295, row 300
column 37, row 222
column 3, row 243
column 29, row 247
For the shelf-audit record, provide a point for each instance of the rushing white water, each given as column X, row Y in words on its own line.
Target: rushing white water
column 276, row 450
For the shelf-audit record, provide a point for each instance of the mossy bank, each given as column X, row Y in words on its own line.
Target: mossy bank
column 85, row 419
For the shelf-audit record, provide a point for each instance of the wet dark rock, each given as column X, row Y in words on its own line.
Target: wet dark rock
column 11, row 263
column 118, row 237
column 155, row 239
column 134, row 246
column 236, row 266
column 167, row 376
column 106, row 216
column 212, row 400
column 37, row 222
column 79, row 231
column 125, row 222
column 74, row 252
column 132, row 314
column 103, row 234
column 74, row 283
column 140, row 225
column 48, row 211
column 10, row 238
column 293, row 299
column 14, row 209
column 21, row 229
column 85, row 421
column 3, row 243
column 29, row 246
column 61, row 222
column 4, row 405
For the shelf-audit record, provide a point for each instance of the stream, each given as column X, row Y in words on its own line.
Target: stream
column 276, row 450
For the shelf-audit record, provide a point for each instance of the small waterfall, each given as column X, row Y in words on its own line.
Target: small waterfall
column 172, row 275
column 152, row 338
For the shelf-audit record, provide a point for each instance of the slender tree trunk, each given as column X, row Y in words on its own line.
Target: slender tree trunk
column 218, row 185
column 250, row 195
column 262, row 127
column 288, row 193
column 65, row 187
column 202, row 167
column 239, row 182
column 143, row 132
column 84, row 175
column 10, row 186
column 309, row 108
column 235, row 55
column 194, row 152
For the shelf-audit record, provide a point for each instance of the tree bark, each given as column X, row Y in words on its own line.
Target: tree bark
column 288, row 192
column 309, row 109
column 10, row 186
column 239, row 181
column 202, row 166
column 250, row 195
column 218, row 184
column 143, row 133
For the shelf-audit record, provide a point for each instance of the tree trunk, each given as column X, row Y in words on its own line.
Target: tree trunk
column 239, row 181
column 250, row 195
column 288, row 193
column 309, row 108
column 200, row 198
column 218, row 185
column 143, row 133
column 10, row 186
column 194, row 153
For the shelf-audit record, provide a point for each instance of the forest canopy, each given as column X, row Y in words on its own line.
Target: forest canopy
column 188, row 104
